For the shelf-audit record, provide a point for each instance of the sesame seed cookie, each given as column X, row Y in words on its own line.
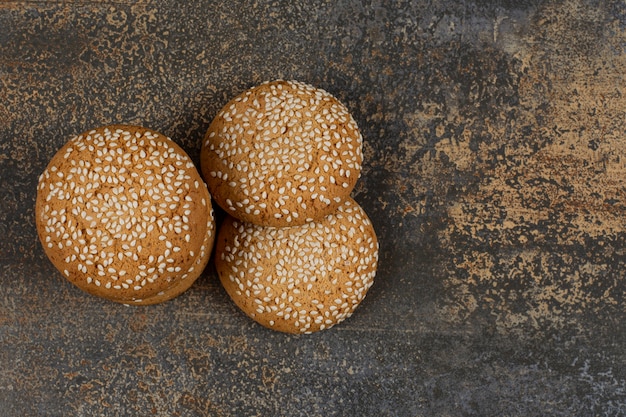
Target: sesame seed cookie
column 299, row 279
column 281, row 154
column 123, row 214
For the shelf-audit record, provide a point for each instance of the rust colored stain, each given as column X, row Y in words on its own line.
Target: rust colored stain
column 537, row 243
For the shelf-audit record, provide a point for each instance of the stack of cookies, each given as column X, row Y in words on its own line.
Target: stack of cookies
column 123, row 213
column 296, row 253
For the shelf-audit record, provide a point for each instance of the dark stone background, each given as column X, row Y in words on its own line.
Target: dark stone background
column 495, row 134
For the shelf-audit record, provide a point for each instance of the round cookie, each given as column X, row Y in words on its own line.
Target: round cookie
column 282, row 154
column 299, row 279
column 123, row 214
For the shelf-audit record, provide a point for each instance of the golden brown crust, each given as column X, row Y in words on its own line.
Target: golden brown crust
column 299, row 279
column 282, row 154
column 184, row 283
column 123, row 213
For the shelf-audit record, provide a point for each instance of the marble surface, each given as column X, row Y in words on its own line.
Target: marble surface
column 495, row 134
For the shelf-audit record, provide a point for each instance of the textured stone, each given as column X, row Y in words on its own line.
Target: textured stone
column 494, row 134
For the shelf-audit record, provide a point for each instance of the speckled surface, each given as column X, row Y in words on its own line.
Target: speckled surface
column 494, row 140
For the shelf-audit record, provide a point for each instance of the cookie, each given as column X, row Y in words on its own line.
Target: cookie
column 123, row 214
column 282, row 154
column 299, row 279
